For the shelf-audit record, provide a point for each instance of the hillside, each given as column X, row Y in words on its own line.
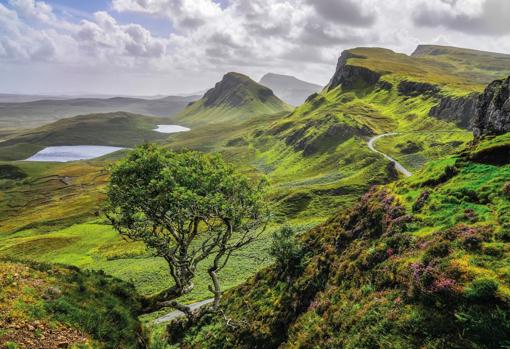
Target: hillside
column 235, row 98
column 419, row 263
column 315, row 157
column 25, row 115
column 47, row 307
column 111, row 129
column 290, row 89
column 480, row 66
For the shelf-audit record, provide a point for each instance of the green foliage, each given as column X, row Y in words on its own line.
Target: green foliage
column 61, row 298
column 482, row 290
column 185, row 207
column 287, row 251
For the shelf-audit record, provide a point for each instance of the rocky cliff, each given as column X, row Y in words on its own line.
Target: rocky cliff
column 493, row 110
column 352, row 76
column 460, row 110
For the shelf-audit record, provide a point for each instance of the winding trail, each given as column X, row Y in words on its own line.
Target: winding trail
column 177, row 313
column 398, row 166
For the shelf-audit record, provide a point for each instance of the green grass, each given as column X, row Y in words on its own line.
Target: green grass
column 49, row 305
column 316, row 159
column 389, row 272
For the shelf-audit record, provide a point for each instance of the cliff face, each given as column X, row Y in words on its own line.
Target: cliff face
column 351, row 76
column 493, row 110
column 460, row 110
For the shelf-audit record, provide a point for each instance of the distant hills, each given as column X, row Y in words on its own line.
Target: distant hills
column 290, row 89
column 236, row 97
column 112, row 129
column 36, row 113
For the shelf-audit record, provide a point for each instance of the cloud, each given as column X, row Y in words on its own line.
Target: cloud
column 300, row 37
column 344, row 12
column 481, row 17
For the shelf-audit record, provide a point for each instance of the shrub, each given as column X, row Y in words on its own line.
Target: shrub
column 483, row 289
column 287, row 251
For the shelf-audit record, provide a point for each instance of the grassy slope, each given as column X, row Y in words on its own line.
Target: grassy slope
column 236, row 97
column 316, row 159
column 45, row 306
column 423, row 262
column 113, row 129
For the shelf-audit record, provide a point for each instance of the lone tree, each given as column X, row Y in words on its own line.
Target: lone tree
column 186, row 207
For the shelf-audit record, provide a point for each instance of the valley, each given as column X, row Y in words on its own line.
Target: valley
column 376, row 173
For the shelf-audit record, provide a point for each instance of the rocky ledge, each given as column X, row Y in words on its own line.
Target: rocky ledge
column 493, row 110
column 352, row 76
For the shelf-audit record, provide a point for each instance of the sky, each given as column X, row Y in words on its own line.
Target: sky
column 161, row 47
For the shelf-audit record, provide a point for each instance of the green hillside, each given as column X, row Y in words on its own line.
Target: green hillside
column 420, row 263
column 45, row 306
column 113, row 129
column 236, row 97
column 318, row 162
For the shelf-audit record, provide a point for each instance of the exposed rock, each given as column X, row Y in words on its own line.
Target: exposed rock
column 460, row 110
column 351, row 76
column 493, row 110
column 384, row 85
column 415, row 89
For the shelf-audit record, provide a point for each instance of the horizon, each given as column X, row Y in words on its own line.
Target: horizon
column 170, row 47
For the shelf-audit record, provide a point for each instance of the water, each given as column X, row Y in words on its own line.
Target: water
column 72, row 153
column 171, row 129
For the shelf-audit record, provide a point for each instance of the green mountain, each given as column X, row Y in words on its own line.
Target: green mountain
column 419, row 263
column 236, row 97
column 112, row 129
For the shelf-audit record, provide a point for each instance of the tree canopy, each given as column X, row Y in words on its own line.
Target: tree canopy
column 185, row 206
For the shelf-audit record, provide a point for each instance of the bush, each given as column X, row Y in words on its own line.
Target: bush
column 483, row 289
column 287, row 251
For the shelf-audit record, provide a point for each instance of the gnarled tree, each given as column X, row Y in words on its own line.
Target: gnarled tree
column 186, row 207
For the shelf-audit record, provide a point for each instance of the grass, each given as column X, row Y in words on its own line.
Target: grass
column 51, row 306
column 315, row 157
column 438, row 271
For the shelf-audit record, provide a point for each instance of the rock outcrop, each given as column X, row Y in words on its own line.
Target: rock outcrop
column 493, row 110
column 352, row 76
column 415, row 89
column 460, row 110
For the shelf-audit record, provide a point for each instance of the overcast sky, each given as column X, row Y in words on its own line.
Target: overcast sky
column 148, row 47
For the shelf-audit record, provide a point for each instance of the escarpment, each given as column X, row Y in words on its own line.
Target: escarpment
column 352, row 76
column 493, row 110
column 460, row 110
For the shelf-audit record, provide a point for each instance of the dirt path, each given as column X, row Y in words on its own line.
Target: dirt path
column 177, row 313
column 398, row 166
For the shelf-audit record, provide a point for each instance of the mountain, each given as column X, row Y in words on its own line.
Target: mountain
column 289, row 88
column 111, row 129
column 236, row 97
column 419, row 263
column 36, row 113
column 353, row 286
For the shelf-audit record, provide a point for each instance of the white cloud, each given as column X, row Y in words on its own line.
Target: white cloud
column 300, row 37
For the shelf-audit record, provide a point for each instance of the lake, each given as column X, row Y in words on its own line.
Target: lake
column 171, row 129
column 72, row 153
